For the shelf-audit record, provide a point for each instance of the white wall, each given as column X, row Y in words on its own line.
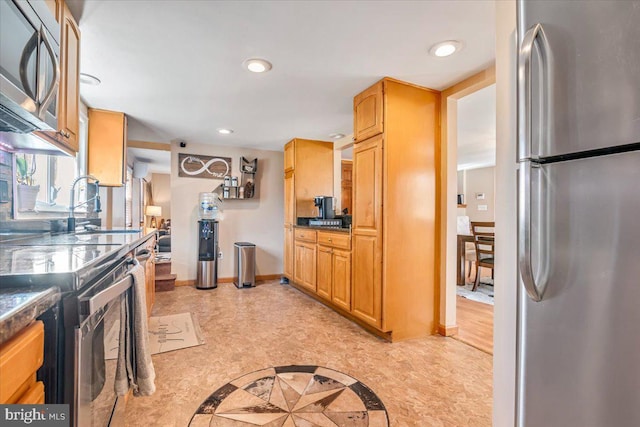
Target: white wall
column 506, row 276
column 477, row 181
column 259, row 220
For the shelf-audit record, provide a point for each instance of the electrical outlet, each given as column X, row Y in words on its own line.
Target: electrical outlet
column 220, row 255
column 482, row 207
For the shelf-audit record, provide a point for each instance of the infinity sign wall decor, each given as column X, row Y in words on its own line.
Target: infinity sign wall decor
column 199, row 166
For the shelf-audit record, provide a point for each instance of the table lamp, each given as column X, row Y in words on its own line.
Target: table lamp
column 153, row 212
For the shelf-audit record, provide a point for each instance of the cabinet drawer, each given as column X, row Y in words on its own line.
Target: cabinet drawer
column 20, row 357
column 305, row 235
column 335, row 240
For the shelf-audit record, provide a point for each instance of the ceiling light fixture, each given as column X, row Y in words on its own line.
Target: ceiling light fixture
column 257, row 65
column 224, row 131
column 336, row 135
column 88, row 79
column 445, row 48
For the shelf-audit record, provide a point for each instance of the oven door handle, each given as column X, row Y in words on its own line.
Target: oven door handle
column 89, row 306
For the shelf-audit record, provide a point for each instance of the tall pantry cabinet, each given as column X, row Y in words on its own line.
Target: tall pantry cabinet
column 396, row 135
column 308, row 172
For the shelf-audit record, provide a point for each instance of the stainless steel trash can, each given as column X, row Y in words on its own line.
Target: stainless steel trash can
column 244, row 268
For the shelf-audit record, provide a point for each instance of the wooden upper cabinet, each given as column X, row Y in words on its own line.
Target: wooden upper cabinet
column 68, row 108
column 367, row 186
column 289, row 156
column 368, row 114
column 289, row 201
column 69, row 99
column 107, row 147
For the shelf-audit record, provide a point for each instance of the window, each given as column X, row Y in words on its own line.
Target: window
column 53, row 175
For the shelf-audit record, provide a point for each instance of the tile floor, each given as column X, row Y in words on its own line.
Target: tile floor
column 434, row 381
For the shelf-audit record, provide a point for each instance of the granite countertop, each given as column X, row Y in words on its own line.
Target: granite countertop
column 65, row 260
column 332, row 229
column 20, row 306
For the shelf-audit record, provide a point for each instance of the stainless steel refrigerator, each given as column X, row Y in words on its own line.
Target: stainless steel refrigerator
column 579, row 214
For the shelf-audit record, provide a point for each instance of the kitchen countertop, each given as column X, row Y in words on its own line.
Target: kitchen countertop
column 332, row 229
column 20, row 306
column 65, row 260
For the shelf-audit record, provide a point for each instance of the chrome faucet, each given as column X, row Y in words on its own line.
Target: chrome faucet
column 71, row 221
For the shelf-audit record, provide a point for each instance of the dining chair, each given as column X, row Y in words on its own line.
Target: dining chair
column 484, row 240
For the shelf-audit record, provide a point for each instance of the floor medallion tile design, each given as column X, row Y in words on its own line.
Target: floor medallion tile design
column 292, row 396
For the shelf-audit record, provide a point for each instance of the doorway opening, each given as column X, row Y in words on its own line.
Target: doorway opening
column 468, row 140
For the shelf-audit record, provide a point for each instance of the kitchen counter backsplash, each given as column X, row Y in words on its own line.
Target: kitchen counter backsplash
column 20, row 306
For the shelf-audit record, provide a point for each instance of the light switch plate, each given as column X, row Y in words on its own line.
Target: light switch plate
column 482, row 207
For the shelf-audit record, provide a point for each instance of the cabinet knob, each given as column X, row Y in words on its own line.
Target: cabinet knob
column 330, row 240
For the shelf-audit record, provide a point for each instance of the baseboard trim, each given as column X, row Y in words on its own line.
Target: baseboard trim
column 447, row 331
column 185, row 282
column 259, row 280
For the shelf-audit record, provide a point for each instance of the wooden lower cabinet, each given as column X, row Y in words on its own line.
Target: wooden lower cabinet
column 305, row 265
column 20, row 358
column 324, row 272
column 341, row 279
column 288, row 252
column 366, row 298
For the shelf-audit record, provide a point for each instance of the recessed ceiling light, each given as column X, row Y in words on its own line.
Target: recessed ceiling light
column 88, row 79
column 336, row 135
column 257, row 65
column 225, row 131
column 445, row 48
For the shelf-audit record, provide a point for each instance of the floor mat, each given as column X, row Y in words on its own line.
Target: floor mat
column 483, row 294
column 166, row 333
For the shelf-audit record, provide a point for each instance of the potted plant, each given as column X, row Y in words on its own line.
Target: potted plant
column 27, row 191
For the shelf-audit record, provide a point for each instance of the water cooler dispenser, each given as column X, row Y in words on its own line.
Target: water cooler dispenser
column 207, row 272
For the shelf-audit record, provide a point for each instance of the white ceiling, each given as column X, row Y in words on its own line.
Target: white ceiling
column 477, row 129
column 175, row 66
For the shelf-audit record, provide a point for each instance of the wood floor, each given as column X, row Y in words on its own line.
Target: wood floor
column 475, row 324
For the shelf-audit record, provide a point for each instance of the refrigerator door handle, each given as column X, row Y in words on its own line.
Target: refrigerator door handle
column 524, row 231
column 525, row 108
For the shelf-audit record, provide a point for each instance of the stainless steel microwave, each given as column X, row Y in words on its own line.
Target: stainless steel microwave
column 29, row 66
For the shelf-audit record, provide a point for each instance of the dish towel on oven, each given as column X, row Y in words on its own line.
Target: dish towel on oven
column 141, row 376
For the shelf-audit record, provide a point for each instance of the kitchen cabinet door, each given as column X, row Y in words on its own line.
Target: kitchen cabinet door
column 366, row 298
column 69, row 110
column 340, row 279
column 367, row 280
column 305, row 265
column 289, row 156
column 324, row 272
column 289, row 200
column 107, row 148
column 288, row 252
column 367, row 186
column 367, row 113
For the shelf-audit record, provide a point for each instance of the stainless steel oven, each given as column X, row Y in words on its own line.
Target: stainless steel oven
column 99, row 341
column 29, row 66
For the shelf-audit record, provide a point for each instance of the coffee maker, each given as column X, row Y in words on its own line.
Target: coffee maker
column 325, row 207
